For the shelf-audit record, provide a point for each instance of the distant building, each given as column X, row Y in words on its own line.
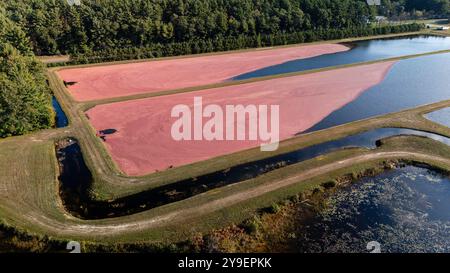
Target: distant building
column 373, row 2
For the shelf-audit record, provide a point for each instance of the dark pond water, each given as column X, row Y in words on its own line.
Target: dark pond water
column 404, row 210
column 409, row 84
column 76, row 178
column 61, row 118
column 441, row 117
column 362, row 51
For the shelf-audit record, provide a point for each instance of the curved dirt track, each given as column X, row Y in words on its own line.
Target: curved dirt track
column 143, row 143
column 91, row 228
column 108, row 81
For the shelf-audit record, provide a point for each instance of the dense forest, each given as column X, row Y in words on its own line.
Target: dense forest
column 106, row 30
column 56, row 27
column 25, row 98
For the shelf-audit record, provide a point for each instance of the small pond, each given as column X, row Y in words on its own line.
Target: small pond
column 61, row 118
column 404, row 210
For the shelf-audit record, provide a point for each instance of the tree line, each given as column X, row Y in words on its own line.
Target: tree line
column 109, row 30
column 25, row 98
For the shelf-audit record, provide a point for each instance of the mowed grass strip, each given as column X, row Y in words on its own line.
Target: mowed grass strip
column 28, row 181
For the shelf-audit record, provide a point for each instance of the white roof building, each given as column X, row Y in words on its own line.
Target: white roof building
column 374, row 2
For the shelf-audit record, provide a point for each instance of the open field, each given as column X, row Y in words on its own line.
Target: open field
column 102, row 82
column 29, row 186
column 144, row 126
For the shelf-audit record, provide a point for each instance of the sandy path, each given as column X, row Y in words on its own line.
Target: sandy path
column 116, row 228
column 100, row 82
column 143, row 143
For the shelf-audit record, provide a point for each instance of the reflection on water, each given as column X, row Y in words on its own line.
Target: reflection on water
column 362, row 51
column 405, row 210
column 441, row 117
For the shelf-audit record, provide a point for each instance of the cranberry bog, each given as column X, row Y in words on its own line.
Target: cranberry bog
column 119, row 80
